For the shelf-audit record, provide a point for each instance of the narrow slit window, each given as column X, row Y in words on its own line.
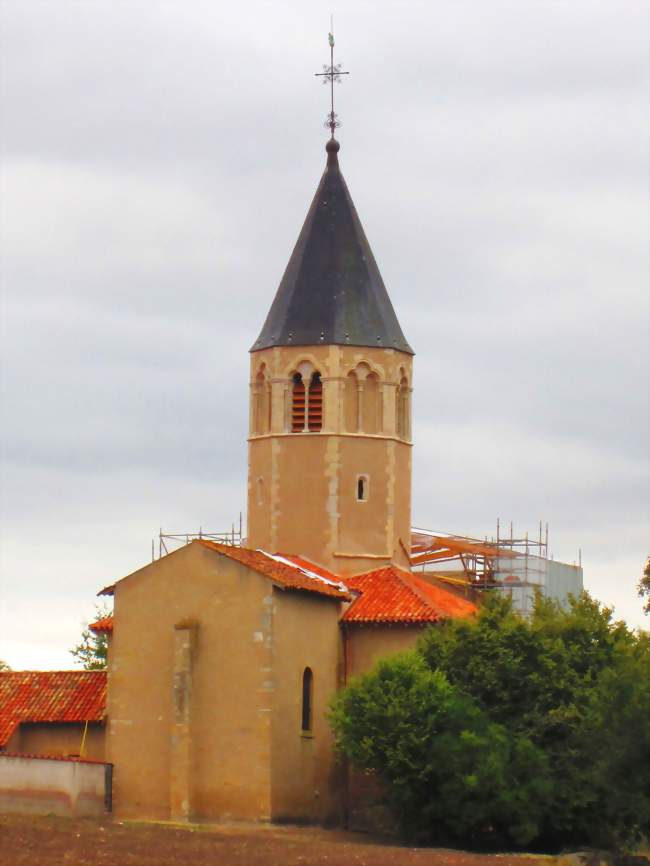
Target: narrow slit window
column 298, row 405
column 362, row 488
column 315, row 408
column 307, row 700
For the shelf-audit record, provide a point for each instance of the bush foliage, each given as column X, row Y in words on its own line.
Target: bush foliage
column 505, row 731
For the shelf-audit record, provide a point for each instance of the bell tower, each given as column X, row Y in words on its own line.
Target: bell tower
column 329, row 470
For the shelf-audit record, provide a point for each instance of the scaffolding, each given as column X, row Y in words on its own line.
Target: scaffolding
column 516, row 565
column 519, row 566
column 526, row 576
column 456, row 558
column 167, row 542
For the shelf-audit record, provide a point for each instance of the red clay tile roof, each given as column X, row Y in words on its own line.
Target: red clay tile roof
column 50, row 696
column 289, row 571
column 103, row 624
column 393, row 595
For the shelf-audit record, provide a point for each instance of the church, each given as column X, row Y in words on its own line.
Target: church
column 223, row 659
column 224, row 655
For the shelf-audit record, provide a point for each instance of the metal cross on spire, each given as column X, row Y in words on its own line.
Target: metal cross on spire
column 334, row 73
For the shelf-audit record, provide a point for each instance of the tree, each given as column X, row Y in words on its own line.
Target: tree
column 4, row 666
column 449, row 772
column 618, row 721
column 92, row 651
column 565, row 697
column 644, row 586
column 540, row 678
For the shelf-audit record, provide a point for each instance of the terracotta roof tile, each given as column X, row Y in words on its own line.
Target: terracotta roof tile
column 393, row 595
column 103, row 624
column 50, row 696
column 288, row 571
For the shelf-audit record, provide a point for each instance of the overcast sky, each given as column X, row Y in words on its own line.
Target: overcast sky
column 158, row 159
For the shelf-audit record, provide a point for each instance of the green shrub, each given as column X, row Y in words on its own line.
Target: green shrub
column 510, row 731
column 449, row 771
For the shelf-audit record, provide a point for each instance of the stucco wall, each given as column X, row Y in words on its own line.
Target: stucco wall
column 59, row 739
column 13, row 744
column 230, row 692
column 44, row 786
column 365, row 645
column 305, row 782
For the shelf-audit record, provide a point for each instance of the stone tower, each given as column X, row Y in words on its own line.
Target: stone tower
column 329, row 473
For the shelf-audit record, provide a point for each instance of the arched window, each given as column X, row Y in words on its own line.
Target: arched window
column 307, row 700
column 306, row 402
column 315, row 404
column 362, row 488
column 298, row 404
column 403, row 419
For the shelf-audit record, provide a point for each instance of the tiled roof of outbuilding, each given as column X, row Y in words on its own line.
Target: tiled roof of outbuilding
column 50, row 696
column 393, row 595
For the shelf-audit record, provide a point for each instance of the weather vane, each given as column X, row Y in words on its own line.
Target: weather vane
column 334, row 73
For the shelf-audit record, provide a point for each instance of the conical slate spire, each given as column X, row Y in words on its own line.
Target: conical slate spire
column 332, row 291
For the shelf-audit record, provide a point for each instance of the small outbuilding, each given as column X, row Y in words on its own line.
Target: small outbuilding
column 58, row 714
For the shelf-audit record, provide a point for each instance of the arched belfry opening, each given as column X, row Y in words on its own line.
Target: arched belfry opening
column 297, row 404
column 315, row 404
column 306, row 401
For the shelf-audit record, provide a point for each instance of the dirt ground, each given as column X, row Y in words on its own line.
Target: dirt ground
column 49, row 841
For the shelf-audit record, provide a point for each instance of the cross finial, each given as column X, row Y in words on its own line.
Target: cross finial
column 333, row 72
